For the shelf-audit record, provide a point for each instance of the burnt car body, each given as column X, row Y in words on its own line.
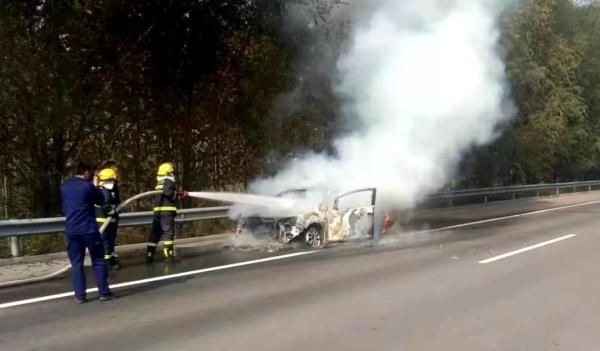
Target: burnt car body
column 337, row 218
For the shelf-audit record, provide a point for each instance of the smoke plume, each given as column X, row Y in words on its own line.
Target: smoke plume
column 423, row 81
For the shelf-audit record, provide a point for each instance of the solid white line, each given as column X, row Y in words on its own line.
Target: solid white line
column 156, row 279
column 526, row 214
column 529, row 248
column 143, row 281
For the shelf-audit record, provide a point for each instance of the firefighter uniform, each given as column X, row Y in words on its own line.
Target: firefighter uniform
column 108, row 213
column 165, row 211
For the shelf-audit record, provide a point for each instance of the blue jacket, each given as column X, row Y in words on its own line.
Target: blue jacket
column 78, row 200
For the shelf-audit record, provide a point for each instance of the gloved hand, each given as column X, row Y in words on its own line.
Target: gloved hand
column 183, row 194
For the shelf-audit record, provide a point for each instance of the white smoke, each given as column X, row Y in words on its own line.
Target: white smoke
column 424, row 81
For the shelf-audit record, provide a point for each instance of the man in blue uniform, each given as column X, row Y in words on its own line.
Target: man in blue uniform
column 79, row 196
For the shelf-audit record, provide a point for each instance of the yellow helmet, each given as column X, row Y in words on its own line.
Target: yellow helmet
column 107, row 174
column 112, row 165
column 165, row 169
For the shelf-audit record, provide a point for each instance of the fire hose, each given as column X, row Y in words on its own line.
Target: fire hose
column 67, row 267
column 248, row 199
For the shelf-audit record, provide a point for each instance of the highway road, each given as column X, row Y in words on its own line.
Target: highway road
column 520, row 283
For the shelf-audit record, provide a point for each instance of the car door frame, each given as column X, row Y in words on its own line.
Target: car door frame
column 338, row 212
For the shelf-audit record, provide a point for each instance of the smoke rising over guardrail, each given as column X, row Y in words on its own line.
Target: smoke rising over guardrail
column 424, row 81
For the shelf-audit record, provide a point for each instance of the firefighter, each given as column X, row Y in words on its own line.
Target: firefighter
column 117, row 196
column 116, row 189
column 107, row 213
column 165, row 210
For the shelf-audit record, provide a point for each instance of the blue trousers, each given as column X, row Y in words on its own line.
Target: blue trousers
column 76, row 250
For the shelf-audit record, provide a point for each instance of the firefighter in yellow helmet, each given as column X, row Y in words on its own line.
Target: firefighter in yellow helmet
column 165, row 210
column 107, row 213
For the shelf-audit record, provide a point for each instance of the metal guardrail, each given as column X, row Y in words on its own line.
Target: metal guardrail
column 513, row 190
column 15, row 228
column 22, row 227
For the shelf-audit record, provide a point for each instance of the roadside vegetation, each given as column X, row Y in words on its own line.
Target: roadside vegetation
column 229, row 90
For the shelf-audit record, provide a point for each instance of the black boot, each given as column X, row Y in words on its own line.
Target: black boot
column 108, row 262
column 150, row 251
column 169, row 253
column 114, row 262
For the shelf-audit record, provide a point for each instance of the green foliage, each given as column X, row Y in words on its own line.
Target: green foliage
column 143, row 82
column 554, row 72
column 226, row 89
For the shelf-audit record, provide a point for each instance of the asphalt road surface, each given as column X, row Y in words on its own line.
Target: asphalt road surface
column 522, row 283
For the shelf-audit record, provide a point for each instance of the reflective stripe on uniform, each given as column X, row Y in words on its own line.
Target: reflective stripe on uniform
column 104, row 220
column 153, row 244
column 165, row 208
column 168, row 242
column 107, row 257
column 113, row 209
column 159, row 187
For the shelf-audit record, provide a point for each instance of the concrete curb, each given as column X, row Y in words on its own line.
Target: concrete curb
column 124, row 250
column 39, row 265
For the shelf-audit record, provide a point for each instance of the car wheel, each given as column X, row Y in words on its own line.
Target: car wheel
column 313, row 237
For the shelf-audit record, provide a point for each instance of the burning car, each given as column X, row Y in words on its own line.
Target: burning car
column 338, row 218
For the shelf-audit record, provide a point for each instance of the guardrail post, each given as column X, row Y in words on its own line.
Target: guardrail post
column 14, row 246
column 451, row 202
column 485, row 199
column 589, row 188
column 514, row 196
column 537, row 193
column 557, row 191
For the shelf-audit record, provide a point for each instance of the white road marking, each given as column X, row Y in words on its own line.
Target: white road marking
column 526, row 214
column 178, row 275
column 156, row 279
column 525, row 249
